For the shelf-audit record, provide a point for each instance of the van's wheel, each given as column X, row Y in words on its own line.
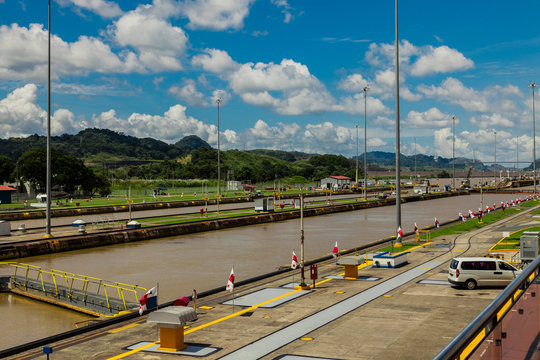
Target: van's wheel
column 470, row 284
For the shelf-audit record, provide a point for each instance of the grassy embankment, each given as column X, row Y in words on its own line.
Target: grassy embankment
column 462, row 227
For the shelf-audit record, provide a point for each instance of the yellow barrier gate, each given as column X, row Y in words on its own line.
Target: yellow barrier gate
column 427, row 234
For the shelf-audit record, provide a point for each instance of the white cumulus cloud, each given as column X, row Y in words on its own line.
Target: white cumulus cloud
column 160, row 44
column 105, row 9
column 20, row 115
column 173, row 125
column 440, row 60
column 452, row 90
column 216, row 14
column 432, row 118
column 24, row 55
column 490, row 121
column 189, row 93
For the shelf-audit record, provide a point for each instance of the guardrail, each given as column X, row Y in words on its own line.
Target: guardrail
column 77, row 286
column 485, row 334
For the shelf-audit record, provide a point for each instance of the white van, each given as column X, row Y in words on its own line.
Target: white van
column 471, row 272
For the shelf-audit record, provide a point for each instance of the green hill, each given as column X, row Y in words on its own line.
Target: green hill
column 102, row 145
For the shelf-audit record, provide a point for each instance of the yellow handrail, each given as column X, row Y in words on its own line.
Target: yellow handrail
column 72, row 279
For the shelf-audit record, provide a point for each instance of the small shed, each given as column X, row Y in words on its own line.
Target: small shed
column 6, row 193
column 233, row 185
column 264, row 204
column 336, row 182
column 248, row 188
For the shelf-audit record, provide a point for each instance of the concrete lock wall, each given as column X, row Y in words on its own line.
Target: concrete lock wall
column 77, row 242
column 39, row 214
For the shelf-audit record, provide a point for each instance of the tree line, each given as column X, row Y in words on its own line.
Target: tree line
column 242, row 165
column 71, row 174
column 67, row 172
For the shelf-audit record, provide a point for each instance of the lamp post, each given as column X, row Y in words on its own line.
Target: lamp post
column 532, row 86
column 398, row 174
column 453, row 152
column 365, row 141
column 302, row 284
column 415, row 173
column 495, row 166
column 517, row 157
column 356, row 156
column 49, row 177
column 218, row 101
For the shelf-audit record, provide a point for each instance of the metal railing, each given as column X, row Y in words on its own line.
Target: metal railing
column 470, row 339
column 74, row 283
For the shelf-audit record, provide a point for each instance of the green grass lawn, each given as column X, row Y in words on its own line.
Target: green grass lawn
column 469, row 225
column 404, row 247
column 513, row 241
column 530, row 203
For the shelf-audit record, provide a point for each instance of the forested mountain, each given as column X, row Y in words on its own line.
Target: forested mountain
column 102, row 145
column 423, row 162
column 192, row 157
column 283, row 155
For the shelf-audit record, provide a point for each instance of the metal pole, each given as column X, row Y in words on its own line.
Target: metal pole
column 415, row 173
column 517, row 157
column 303, row 280
column 481, row 198
column 454, row 152
column 495, row 167
column 398, row 174
column 49, row 179
column 218, row 101
column 533, row 85
column 365, row 142
column 356, row 156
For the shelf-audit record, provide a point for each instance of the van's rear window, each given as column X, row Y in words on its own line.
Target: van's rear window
column 454, row 264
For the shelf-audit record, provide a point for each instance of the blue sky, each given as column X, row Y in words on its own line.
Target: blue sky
column 290, row 73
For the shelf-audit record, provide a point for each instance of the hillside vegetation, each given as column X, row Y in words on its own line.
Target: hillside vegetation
column 121, row 156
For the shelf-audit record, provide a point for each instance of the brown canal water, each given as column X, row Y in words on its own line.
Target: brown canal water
column 203, row 261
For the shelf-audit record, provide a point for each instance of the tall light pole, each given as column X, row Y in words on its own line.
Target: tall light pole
column 495, row 167
column 218, row 101
column 49, row 177
column 398, row 174
column 302, row 284
column 517, row 157
column 454, row 152
column 532, row 86
column 415, row 173
column 365, row 141
column 356, row 156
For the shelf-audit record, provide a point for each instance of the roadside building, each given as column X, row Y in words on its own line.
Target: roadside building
column 233, row 185
column 248, row 188
column 336, row 182
column 6, row 194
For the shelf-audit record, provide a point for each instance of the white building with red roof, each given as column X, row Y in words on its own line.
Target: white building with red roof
column 336, row 182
